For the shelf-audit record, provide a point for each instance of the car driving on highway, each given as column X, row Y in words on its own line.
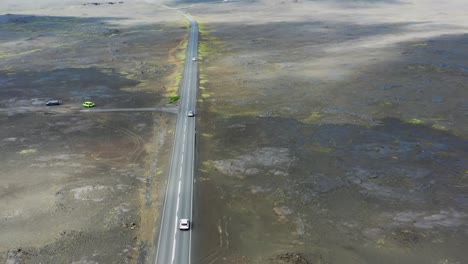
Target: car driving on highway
column 190, row 114
column 184, row 224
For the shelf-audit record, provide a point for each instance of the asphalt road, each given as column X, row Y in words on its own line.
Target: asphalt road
column 174, row 246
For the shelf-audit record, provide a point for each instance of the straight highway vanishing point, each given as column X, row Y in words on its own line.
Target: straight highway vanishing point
column 174, row 245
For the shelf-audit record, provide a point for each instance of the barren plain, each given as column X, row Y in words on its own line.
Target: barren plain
column 330, row 131
column 85, row 187
column 333, row 132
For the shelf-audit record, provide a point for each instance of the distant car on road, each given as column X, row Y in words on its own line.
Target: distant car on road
column 53, row 102
column 194, row 58
column 190, row 114
column 88, row 104
column 184, row 224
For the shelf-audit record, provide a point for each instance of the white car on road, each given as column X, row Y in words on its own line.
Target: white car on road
column 184, row 224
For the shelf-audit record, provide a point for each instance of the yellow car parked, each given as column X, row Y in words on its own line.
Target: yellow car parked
column 88, row 104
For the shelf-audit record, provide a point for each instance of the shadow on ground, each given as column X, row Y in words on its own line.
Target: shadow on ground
column 30, row 27
column 75, row 59
column 72, row 86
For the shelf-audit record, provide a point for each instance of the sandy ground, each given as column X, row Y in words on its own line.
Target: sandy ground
column 84, row 187
column 333, row 132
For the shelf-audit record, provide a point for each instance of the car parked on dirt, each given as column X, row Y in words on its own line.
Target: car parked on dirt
column 53, row 102
column 88, row 104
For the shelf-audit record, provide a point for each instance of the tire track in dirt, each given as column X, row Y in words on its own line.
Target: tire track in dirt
column 219, row 252
column 130, row 155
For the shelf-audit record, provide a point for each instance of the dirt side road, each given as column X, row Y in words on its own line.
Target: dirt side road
column 84, row 187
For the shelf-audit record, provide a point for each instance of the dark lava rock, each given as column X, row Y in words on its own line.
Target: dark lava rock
column 438, row 99
column 107, row 3
column 295, row 258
